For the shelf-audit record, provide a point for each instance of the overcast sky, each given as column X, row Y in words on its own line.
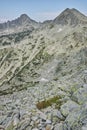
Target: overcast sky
column 38, row 10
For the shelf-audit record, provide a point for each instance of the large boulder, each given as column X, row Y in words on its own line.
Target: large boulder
column 77, row 119
column 69, row 107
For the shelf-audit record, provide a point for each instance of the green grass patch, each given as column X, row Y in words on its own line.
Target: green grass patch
column 49, row 102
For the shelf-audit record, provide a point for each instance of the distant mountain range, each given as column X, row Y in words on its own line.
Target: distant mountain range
column 70, row 17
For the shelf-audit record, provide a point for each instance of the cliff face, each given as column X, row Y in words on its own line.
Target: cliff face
column 43, row 75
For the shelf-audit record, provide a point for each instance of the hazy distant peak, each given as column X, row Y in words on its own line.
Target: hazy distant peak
column 24, row 22
column 24, row 17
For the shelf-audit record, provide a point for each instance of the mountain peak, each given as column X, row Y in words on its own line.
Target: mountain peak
column 67, row 9
column 70, row 17
column 24, row 16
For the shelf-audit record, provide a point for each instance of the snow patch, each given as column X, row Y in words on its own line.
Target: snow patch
column 60, row 29
column 44, row 80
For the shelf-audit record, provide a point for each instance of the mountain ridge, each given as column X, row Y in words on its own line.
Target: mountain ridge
column 68, row 16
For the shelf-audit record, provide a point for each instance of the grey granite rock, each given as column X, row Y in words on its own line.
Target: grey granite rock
column 69, row 107
column 58, row 126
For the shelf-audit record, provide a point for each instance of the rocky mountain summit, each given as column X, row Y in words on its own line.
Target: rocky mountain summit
column 72, row 17
column 43, row 74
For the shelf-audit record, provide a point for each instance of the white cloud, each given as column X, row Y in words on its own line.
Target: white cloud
column 46, row 16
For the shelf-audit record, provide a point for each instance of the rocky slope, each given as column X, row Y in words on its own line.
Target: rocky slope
column 43, row 77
